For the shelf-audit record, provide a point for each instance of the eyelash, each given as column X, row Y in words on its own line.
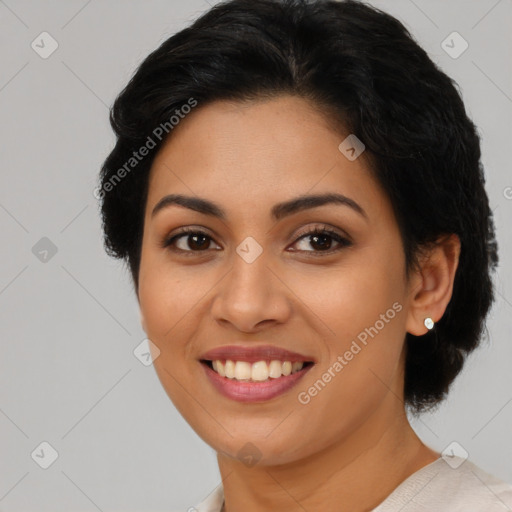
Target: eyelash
column 167, row 243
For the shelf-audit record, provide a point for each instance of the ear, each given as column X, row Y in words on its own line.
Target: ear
column 431, row 286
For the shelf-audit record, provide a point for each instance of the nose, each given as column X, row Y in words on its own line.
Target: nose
column 251, row 297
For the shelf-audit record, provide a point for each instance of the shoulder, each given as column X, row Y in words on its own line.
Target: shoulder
column 450, row 485
column 470, row 487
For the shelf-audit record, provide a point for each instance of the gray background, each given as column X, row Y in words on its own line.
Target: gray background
column 69, row 325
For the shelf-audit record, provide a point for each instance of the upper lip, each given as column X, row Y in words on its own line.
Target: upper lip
column 254, row 354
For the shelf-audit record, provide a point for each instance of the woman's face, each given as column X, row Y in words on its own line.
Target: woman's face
column 252, row 279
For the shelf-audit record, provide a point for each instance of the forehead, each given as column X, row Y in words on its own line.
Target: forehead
column 253, row 154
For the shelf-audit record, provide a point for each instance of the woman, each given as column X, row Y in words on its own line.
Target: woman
column 297, row 190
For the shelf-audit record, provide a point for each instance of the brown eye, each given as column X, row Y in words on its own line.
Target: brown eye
column 190, row 240
column 322, row 240
column 196, row 241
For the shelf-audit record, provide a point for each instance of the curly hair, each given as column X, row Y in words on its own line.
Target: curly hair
column 363, row 69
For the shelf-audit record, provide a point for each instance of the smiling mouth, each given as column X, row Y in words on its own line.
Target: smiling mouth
column 259, row 371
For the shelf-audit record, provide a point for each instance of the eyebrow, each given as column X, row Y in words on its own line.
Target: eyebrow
column 278, row 211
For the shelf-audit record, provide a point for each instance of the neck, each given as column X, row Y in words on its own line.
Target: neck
column 354, row 474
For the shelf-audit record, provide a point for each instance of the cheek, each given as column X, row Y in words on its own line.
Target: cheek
column 363, row 373
column 362, row 312
column 351, row 296
column 169, row 298
column 159, row 302
column 169, row 293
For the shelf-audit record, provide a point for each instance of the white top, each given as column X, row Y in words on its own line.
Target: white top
column 451, row 485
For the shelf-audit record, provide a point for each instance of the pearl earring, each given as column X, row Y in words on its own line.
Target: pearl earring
column 429, row 323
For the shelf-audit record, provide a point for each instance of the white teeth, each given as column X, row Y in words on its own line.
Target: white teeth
column 259, row 371
column 219, row 368
column 242, row 370
column 296, row 366
column 287, row 368
column 229, row 369
column 274, row 369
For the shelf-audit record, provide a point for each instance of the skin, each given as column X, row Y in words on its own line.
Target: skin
column 351, row 445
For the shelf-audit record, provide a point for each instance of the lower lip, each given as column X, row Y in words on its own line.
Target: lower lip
column 253, row 391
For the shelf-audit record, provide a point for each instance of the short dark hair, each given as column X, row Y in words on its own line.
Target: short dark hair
column 362, row 68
